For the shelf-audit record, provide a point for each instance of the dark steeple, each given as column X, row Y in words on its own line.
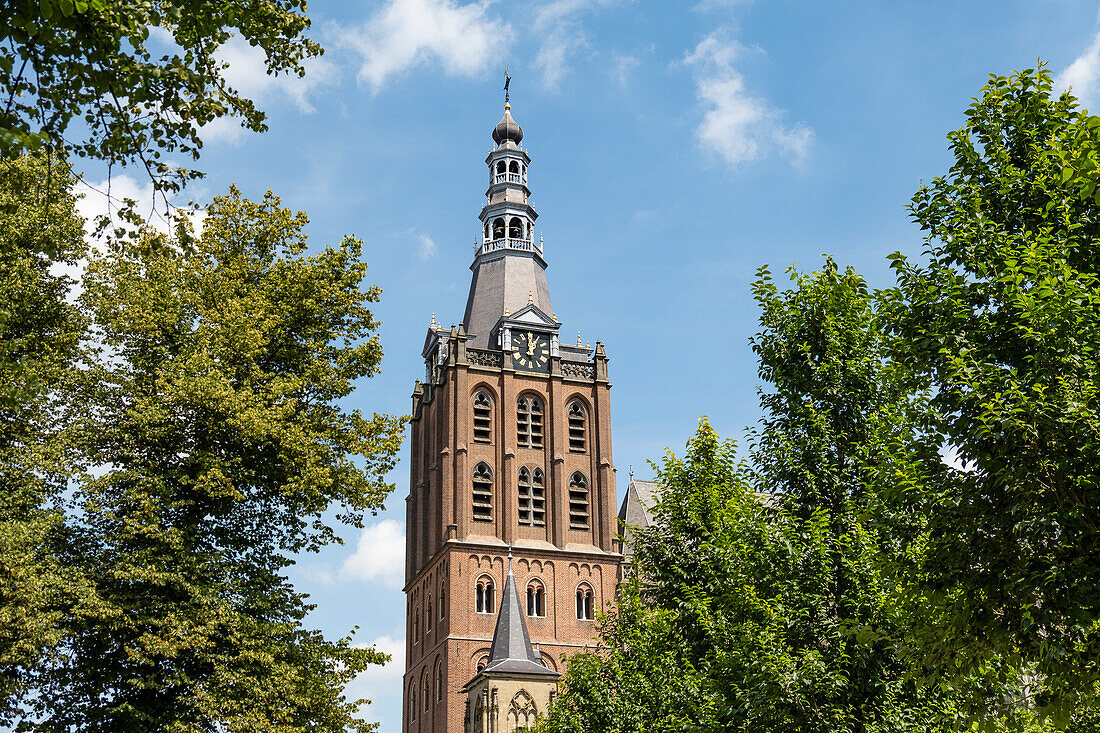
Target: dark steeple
column 512, row 652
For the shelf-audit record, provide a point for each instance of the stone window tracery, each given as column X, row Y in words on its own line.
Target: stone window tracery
column 483, row 417
column 578, row 501
column 529, row 415
column 483, row 595
column 482, row 492
column 522, row 712
column 532, row 497
column 578, row 420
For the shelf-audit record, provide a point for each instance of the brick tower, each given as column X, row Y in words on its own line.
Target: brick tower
column 511, row 448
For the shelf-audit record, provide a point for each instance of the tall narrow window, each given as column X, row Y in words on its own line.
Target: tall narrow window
column 416, row 627
column 529, row 421
column 538, row 498
column 584, row 603
column 427, row 694
column 483, row 492
column 483, row 417
column 438, row 682
column 577, row 426
column 578, row 501
column 412, row 704
column 536, row 599
column 442, row 601
column 428, row 619
column 483, row 595
column 525, row 496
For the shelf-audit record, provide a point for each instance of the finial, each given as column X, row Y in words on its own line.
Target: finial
column 507, row 83
column 509, row 559
column 632, row 472
column 433, row 320
column 588, row 344
column 530, row 296
column 540, row 239
column 506, row 311
column 578, row 338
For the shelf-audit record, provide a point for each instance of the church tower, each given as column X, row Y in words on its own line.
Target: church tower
column 510, row 452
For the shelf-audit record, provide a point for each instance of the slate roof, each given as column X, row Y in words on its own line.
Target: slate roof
column 503, row 283
column 636, row 510
column 512, row 652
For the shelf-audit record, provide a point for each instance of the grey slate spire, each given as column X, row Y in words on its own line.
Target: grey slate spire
column 512, row 652
column 509, row 269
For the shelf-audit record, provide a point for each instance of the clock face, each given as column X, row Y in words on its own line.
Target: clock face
column 531, row 351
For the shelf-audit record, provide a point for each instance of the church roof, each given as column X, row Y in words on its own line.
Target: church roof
column 503, row 283
column 507, row 129
column 512, row 652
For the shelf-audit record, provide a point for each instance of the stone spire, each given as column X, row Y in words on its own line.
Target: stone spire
column 509, row 271
column 512, row 652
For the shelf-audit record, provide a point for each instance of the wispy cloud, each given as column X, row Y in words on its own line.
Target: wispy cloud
column 557, row 24
column 427, row 247
column 379, row 555
column 1082, row 75
column 739, row 126
column 461, row 38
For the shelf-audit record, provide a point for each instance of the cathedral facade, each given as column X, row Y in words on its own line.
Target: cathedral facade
column 511, row 521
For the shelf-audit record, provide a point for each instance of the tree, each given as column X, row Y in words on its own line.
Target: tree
column 759, row 602
column 212, row 411
column 90, row 62
column 39, row 334
column 1001, row 323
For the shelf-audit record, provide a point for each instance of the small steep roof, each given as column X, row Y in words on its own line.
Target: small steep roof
column 512, row 652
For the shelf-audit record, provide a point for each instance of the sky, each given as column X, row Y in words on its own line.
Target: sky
column 675, row 149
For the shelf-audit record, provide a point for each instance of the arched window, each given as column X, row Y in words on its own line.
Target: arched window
column 438, row 682
column 412, row 703
column 522, row 712
column 427, row 694
column 483, row 595
column 416, row 626
column 515, row 228
column 483, row 417
column 482, row 661
column 483, row 492
column 584, row 603
column 488, row 234
column 442, row 601
column 428, row 618
column 577, row 424
column 502, row 167
column 498, row 228
column 578, row 501
column 513, row 167
column 529, row 421
column 532, row 497
column 536, row 599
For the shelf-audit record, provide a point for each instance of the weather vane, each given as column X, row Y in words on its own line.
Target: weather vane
column 507, row 82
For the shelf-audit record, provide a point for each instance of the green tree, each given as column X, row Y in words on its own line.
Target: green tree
column 90, row 62
column 213, row 415
column 1001, row 323
column 39, row 335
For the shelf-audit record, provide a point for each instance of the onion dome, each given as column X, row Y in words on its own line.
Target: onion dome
column 507, row 128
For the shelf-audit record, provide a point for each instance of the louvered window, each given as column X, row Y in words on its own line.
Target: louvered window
column 483, row 417
column 529, row 421
column 577, row 420
column 532, row 497
column 578, row 501
column 483, row 492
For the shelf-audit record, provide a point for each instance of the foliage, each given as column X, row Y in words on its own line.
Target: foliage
column 1002, row 324
column 39, row 333
column 96, row 67
column 212, row 416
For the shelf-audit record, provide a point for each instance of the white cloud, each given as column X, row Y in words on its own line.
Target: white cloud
column 556, row 24
column 380, row 554
column 1082, row 75
column 382, row 685
column 624, row 65
column 427, row 247
column 462, row 38
column 738, row 126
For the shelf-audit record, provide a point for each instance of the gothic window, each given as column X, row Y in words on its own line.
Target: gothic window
column 578, row 501
column 483, row 492
column 515, row 228
column 522, row 712
column 536, row 599
column 483, row 417
column 483, row 595
column 442, row 601
column 529, row 421
column 532, row 497
column 412, row 705
column 438, row 682
column 428, row 618
column 427, row 694
column 584, row 603
column 416, row 626
column 577, row 425
column 498, row 228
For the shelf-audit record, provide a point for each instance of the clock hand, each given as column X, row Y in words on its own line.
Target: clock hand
column 530, row 344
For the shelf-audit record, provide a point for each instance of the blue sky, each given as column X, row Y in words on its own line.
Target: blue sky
column 676, row 148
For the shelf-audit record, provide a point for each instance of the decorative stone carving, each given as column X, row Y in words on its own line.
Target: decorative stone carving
column 576, row 370
column 479, row 357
